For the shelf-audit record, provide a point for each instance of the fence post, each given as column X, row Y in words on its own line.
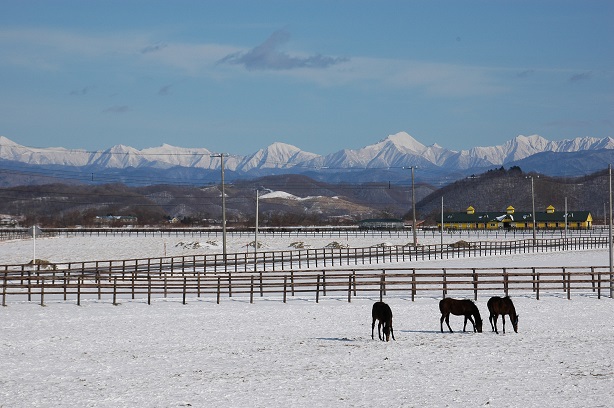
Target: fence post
column 148, row 290
column 99, row 286
column 381, row 288
column 475, row 285
column 4, row 288
column 445, row 284
column 384, row 281
column 115, row 291
column 349, row 289
column 79, row 291
column 324, row 283
column 505, row 282
column 285, row 287
column 219, row 284
column 318, row 289
column 593, row 277
column 568, row 284
column 413, row 284
column 198, row 282
column 537, row 284
column 185, row 287
column 30, row 285
column 251, row 289
column 42, row 292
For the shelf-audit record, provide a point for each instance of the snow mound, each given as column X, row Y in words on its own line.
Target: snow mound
column 279, row 194
column 188, row 245
column 299, row 245
column 336, row 245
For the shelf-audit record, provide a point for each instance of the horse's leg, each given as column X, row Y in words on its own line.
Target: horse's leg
column 372, row 328
column 468, row 317
column 441, row 322
column 503, row 318
column 392, row 331
column 490, row 318
column 379, row 334
column 448, row 323
column 496, row 318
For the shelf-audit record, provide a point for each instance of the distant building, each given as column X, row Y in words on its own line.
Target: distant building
column 510, row 219
column 115, row 219
column 9, row 221
column 381, row 223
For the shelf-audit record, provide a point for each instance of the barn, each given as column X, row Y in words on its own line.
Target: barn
column 510, row 219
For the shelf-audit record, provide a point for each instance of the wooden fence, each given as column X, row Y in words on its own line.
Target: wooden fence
column 320, row 257
column 114, row 286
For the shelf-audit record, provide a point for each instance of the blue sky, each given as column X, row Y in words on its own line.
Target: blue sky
column 236, row 76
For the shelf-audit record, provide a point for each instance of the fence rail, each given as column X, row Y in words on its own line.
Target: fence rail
column 114, row 286
column 319, row 257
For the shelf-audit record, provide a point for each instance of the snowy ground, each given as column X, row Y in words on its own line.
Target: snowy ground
column 92, row 247
column 302, row 353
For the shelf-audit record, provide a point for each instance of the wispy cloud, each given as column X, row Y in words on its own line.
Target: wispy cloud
column 117, row 109
column 581, row 76
column 267, row 56
column 525, row 74
column 153, row 48
column 165, row 90
column 79, row 92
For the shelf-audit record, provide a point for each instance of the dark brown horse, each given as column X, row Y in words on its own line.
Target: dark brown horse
column 502, row 306
column 382, row 312
column 463, row 307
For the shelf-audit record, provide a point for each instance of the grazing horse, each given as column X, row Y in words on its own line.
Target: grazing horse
column 463, row 307
column 382, row 312
column 502, row 306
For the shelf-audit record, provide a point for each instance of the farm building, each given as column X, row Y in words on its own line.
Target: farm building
column 381, row 223
column 510, row 219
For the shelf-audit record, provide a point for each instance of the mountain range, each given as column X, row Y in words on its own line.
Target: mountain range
column 386, row 160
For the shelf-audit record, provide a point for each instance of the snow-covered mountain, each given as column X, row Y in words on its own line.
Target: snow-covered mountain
column 393, row 152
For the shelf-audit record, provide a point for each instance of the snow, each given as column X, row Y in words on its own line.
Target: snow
column 300, row 353
column 286, row 196
column 397, row 149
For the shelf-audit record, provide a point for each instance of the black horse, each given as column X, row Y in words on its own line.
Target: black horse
column 463, row 307
column 502, row 306
column 382, row 312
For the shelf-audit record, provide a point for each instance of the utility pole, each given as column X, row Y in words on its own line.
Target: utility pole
column 566, row 216
column 413, row 205
column 256, row 234
column 533, row 207
column 441, row 227
column 610, row 236
column 221, row 156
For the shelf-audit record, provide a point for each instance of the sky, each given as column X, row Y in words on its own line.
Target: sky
column 235, row 76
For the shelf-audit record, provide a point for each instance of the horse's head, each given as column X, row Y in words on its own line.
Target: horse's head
column 478, row 324
column 514, row 319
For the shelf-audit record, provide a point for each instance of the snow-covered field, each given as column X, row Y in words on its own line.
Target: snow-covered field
column 300, row 353
column 104, row 247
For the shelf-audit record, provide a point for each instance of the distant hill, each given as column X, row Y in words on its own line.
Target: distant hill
column 300, row 200
column 497, row 189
